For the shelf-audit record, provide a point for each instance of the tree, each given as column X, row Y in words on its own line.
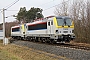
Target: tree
column 21, row 14
column 62, row 9
column 34, row 13
column 27, row 16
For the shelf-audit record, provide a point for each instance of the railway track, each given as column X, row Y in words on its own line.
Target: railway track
column 66, row 45
column 70, row 51
column 74, row 46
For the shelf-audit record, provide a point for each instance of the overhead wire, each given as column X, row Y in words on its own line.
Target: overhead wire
column 39, row 5
column 18, row 10
column 9, row 16
column 12, row 10
column 46, row 3
column 51, row 7
column 18, row 0
column 11, row 4
column 13, row 15
column 54, row 5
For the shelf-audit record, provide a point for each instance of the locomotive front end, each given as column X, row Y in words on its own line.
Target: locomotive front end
column 64, row 29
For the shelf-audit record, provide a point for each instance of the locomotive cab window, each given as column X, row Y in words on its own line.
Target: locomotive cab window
column 63, row 21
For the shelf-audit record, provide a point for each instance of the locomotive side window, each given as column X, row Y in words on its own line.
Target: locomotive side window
column 38, row 26
column 48, row 23
column 15, row 29
column 51, row 22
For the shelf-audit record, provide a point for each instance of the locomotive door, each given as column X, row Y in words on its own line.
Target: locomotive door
column 23, row 30
column 49, row 27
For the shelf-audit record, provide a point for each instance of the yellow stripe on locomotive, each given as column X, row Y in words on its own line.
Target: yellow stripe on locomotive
column 66, row 26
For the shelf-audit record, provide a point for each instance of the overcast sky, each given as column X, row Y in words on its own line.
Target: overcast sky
column 44, row 4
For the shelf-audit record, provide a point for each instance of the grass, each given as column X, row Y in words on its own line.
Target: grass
column 15, row 52
column 4, row 55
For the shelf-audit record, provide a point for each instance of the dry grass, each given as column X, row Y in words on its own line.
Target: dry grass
column 80, row 44
column 14, row 52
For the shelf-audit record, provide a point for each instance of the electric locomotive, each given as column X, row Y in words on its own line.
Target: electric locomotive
column 18, row 32
column 52, row 29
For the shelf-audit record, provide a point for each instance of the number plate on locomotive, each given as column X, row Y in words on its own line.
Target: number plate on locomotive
column 65, row 28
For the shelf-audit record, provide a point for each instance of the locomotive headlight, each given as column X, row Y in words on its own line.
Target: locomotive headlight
column 69, row 36
column 23, row 32
column 56, row 31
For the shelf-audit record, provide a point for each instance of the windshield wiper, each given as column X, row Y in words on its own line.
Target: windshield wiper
column 65, row 23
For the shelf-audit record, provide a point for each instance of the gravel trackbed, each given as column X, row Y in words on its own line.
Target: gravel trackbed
column 70, row 53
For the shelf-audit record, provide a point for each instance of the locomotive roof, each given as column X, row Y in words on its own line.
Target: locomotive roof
column 36, row 22
column 15, row 26
column 44, row 19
